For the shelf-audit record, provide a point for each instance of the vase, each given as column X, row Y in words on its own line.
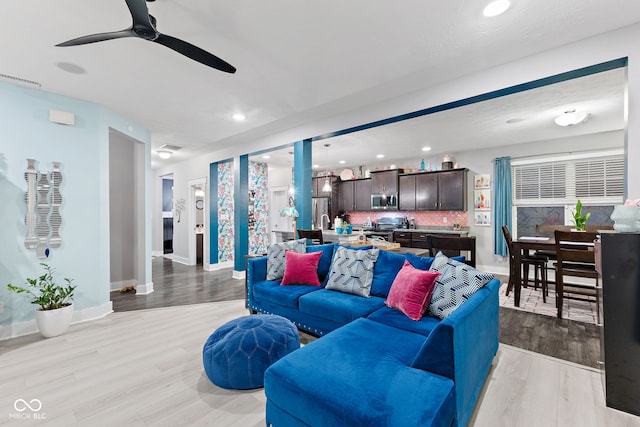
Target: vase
column 625, row 218
column 52, row 323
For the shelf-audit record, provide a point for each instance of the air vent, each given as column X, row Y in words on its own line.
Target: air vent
column 169, row 147
column 20, row 80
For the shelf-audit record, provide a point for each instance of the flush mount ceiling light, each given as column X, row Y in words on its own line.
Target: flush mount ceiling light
column 239, row 117
column 164, row 154
column 199, row 192
column 316, row 166
column 496, row 8
column 380, row 156
column 572, row 117
column 266, row 157
column 426, row 148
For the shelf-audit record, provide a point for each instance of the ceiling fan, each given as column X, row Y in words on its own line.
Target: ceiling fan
column 144, row 27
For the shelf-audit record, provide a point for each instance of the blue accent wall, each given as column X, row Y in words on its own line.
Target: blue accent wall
column 213, row 213
column 241, row 211
column 302, row 171
column 83, row 151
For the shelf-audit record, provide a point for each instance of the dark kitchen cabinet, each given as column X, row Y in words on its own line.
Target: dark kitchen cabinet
column 427, row 192
column 419, row 240
column 407, row 193
column 434, row 191
column 384, row 182
column 452, row 194
column 403, row 237
column 362, row 194
column 346, row 199
column 355, row 195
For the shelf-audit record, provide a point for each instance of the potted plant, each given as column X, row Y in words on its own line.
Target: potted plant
column 580, row 220
column 55, row 307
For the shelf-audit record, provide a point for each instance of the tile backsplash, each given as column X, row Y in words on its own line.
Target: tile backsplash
column 421, row 218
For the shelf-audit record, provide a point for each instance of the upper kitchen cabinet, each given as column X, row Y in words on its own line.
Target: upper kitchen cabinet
column 427, row 192
column 434, row 191
column 452, row 190
column 362, row 194
column 407, row 193
column 355, row 195
column 384, row 182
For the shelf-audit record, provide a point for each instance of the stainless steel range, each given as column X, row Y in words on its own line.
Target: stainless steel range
column 385, row 225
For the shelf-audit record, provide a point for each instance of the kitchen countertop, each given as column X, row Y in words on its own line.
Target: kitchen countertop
column 330, row 236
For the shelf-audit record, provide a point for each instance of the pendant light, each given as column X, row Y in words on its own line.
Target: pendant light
column 327, row 184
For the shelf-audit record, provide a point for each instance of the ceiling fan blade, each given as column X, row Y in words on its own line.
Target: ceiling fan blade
column 195, row 53
column 139, row 12
column 99, row 37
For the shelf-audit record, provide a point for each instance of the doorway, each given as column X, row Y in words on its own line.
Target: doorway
column 167, row 214
column 278, row 200
column 126, row 211
column 198, row 223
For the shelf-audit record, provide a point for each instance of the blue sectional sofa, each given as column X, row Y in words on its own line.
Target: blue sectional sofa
column 375, row 366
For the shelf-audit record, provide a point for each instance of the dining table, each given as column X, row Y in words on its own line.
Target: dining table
column 523, row 245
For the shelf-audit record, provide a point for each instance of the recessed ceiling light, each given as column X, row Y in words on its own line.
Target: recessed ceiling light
column 239, row 117
column 380, row 156
column 316, row 166
column 71, row 68
column 164, row 154
column 426, row 148
column 342, row 162
column 496, row 8
column 266, row 156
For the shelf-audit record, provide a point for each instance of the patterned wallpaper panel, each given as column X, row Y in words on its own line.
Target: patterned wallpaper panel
column 258, row 207
column 529, row 217
column 225, row 212
column 422, row 219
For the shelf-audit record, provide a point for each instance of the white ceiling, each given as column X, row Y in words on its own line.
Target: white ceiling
column 297, row 61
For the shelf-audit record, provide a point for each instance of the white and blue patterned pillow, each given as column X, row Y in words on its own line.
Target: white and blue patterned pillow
column 456, row 284
column 352, row 271
column 276, row 256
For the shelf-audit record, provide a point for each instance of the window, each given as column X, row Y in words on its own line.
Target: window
column 545, row 191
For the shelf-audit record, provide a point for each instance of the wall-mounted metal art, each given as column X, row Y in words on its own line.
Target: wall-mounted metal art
column 43, row 200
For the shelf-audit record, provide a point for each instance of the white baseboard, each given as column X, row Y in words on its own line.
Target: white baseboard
column 145, row 289
column 157, row 253
column 116, row 286
column 180, row 260
column 29, row 327
column 220, row 266
column 240, row 275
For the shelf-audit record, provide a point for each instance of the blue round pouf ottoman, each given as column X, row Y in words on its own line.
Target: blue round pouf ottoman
column 237, row 353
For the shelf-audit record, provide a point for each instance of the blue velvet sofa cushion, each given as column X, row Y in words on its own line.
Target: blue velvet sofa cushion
column 385, row 271
column 324, row 265
column 270, row 290
column 392, row 317
column 338, row 306
column 366, row 383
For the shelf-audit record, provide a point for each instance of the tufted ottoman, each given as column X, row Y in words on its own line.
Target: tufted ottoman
column 237, row 353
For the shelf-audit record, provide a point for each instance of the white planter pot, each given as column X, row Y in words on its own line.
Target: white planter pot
column 52, row 323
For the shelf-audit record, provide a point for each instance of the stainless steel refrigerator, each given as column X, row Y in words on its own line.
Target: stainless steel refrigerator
column 321, row 206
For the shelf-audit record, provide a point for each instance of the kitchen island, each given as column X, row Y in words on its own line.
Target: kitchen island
column 330, row 236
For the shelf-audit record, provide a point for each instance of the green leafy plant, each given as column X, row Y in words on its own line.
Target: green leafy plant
column 580, row 220
column 45, row 292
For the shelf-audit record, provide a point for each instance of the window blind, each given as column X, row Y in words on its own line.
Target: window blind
column 592, row 179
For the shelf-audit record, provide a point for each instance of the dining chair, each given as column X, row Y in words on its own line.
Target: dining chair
column 452, row 246
column 575, row 257
column 314, row 235
column 539, row 264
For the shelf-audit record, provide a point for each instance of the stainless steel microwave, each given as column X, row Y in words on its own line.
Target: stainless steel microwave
column 384, row 201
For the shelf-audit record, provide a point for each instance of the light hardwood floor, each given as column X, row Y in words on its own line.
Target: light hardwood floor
column 144, row 368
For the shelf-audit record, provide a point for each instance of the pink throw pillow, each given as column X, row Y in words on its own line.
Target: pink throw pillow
column 301, row 269
column 411, row 291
